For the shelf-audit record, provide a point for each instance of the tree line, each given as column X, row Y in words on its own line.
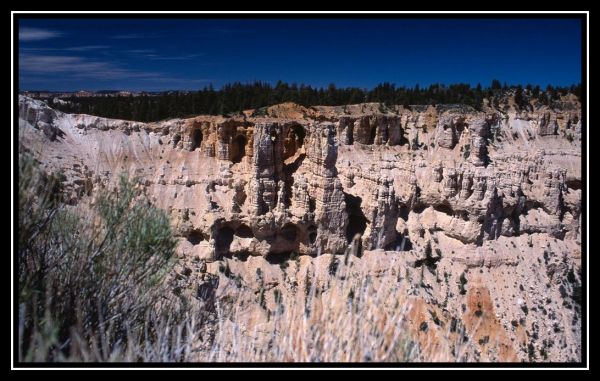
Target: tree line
column 235, row 97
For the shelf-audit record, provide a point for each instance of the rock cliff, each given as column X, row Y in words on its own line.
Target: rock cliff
column 481, row 210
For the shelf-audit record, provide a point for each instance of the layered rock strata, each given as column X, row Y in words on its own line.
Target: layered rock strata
column 495, row 194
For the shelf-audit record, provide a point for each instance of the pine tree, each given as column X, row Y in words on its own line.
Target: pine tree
column 496, row 85
column 520, row 98
column 536, row 92
column 235, row 97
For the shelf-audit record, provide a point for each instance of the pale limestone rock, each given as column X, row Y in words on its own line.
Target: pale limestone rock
column 356, row 180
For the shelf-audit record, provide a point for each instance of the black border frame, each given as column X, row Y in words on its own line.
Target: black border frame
column 582, row 16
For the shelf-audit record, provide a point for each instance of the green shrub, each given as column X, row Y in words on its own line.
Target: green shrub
column 90, row 274
column 467, row 152
column 463, row 281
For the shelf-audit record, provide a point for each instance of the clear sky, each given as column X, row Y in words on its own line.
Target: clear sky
column 187, row 54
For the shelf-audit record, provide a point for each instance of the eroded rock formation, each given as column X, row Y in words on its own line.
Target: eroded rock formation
column 495, row 194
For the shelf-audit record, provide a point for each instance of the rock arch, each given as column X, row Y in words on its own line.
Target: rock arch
column 238, row 148
column 357, row 222
column 195, row 237
column 372, row 134
column 196, row 139
column 244, row 231
column 223, row 239
column 289, row 232
column 294, row 140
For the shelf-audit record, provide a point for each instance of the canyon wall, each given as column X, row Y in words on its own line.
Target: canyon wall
column 481, row 210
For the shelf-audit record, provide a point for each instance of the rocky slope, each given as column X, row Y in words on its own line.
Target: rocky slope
column 478, row 212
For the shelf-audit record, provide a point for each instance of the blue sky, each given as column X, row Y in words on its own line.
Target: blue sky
column 187, row 54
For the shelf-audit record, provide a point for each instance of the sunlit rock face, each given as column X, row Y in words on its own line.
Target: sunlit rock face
column 496, row 195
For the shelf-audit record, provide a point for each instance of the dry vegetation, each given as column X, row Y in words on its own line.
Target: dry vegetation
column 93, row 287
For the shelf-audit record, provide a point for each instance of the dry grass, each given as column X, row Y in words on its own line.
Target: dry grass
column 340, row 313
column 354, row 320
column 92, row 289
